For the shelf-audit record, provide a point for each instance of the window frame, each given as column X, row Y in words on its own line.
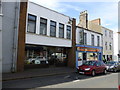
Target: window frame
column 54, row 27
column 32, row 21
column 68, row 30
column 92, row 40
column 42, row 24
column 60, row 28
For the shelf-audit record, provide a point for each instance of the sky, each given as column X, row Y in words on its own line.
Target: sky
column 107, row 11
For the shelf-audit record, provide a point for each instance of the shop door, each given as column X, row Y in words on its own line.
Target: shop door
column 85, row 56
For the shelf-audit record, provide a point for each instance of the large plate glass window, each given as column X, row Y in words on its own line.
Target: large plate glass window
column 53, row 28
column 61, row 30
column 43, row 26
column 31, row 23
column 68, row 32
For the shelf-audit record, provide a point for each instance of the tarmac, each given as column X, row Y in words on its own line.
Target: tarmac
column 39, row 72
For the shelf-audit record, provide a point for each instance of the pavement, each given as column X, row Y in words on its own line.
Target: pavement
column 40, row 72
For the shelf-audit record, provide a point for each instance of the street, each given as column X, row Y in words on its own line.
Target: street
column 73, row 80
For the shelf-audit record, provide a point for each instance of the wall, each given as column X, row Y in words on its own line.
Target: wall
column 8, row 28
column 107, row 39
column 88, row 37
column 40, row 11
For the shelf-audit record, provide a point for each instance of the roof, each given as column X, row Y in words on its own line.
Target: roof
column 89, row 30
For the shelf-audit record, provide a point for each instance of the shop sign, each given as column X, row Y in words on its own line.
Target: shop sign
column 88, row 49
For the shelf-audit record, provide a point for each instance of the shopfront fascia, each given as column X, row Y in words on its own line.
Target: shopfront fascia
column 87, row 53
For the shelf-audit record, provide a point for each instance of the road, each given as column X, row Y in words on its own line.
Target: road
column 72, row 80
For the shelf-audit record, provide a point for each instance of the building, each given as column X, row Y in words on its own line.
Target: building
column 88, row 44
column 108, row 49
column 48, row 36
column 13, row 16
column 95, row 25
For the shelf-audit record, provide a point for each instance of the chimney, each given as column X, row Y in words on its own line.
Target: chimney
column 96, row 21
column 83, row 19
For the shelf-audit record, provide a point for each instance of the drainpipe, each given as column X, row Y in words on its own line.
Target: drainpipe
column 15, row 35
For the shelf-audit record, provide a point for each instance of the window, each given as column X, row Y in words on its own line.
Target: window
column 98, row 40
column 105, row 32
column 110, row 46
column 61, row 30
column 52, row 28
column 106, row 45
column 0, row 7
column 43, row 26
column 109, row 34
column 31, row 23
column 92, row 40
column 85, row 38
column 68, row 32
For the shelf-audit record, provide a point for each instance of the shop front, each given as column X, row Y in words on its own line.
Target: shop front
column 45, row 56
column 87, row 53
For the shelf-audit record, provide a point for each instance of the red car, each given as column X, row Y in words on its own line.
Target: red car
column 92, row 67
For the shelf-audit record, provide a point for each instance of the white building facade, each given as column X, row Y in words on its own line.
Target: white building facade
column 48, row 34
column 108, row 50
column 89, row 45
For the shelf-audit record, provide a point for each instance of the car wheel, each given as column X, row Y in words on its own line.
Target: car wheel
column 115, row 70
column 93, row 73
column 105, row 71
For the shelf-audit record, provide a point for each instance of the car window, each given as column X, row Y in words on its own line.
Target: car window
column 98, row 64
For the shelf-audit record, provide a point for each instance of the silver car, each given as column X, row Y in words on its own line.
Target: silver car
column 113, row 66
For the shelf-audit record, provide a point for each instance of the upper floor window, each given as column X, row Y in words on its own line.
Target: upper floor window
column 98, row 40
column 92, row 40
column 106, row 45
column 53, row 28
column 110, row 45
column 105, row 32
column 0, row 7
column 31, row 23
column 85, row 38
column 43, row 26
column 61, row 30
column 68, row 32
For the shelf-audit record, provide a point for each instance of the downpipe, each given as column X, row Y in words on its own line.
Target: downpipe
column 15, row 37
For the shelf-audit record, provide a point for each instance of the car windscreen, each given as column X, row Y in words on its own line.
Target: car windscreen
column 110, row 63
column 91, row 63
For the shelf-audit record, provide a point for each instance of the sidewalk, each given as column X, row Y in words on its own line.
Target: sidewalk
column 31, row 73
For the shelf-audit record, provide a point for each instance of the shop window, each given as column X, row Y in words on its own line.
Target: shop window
column 61, row 30
column 43, row 26
column 52, row 28
column 68, row 32
column 31, row 23
column 92, row 56
column 98, row 40
column 92, row 40
column 85, row 38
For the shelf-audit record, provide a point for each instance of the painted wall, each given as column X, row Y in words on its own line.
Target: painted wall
column 48, row 14
column 8, row 28
column 88, row 37
column 108, row 39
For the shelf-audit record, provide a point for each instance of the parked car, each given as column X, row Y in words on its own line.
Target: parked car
column 92, row 68
column 113, row 66
column 37, row 60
